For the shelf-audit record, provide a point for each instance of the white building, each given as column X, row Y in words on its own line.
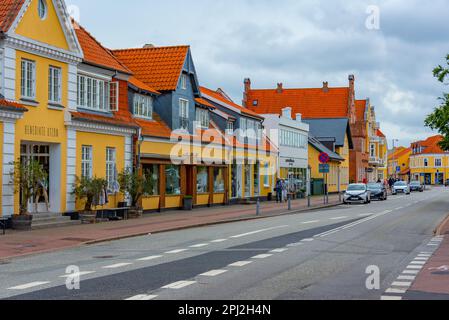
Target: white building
column 290, row 136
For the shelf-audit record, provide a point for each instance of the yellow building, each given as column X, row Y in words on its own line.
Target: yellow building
column 428, row 162
column 399, row 163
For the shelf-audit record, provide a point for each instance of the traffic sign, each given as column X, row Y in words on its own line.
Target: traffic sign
column 324, row 158
column 324, row 168
column 398, row 169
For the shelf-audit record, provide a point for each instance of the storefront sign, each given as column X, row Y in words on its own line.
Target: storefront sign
column 41, row 131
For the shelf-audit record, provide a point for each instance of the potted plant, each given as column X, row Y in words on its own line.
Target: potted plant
column 27, row 176
column 88, row 189
column 135, row 184
column 188, row 203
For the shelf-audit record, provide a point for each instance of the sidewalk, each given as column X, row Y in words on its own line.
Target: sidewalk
column 15, row 244
column 433, row 281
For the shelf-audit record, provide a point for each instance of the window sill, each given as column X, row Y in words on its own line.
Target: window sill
column 29, row 102
column 55, row 106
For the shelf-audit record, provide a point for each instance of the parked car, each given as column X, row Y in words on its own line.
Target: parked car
column 401, row 187
column 357, row 193
column 378, row 191
column 416, row 186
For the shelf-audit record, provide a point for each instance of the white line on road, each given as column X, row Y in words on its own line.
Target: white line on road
column 201, row 245
column 279, row 250
column 29, row 285
column 179, row 285
column 142, row 297
column 391, row 298
column 410, row 278
column 410, row 272
column 393, row 290
column 219, row 240
column 149, row 258
column 366, row 214
column 401, row 284
column 213, row 273
column 307, row 240
column 414, row 267
column 118, row 265
column 77, row 274
column 240, row 263
column 262, row 256
column 311, row 222
column 339, row 218
column 257, row 231
column 421, row 263
column 421, row 259
column 176, row 251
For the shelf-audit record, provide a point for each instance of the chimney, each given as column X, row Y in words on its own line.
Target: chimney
column 280, row 88
column 351, row 82
column 351, row 99
column 287, row 113
column 299, row 117
column 326, row 86
column 247, row 83
column 148, row 45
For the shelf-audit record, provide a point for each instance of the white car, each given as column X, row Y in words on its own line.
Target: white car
column 401, row 187
column 357, row 193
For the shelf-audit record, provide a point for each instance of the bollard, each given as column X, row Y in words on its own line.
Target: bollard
column 258, row 207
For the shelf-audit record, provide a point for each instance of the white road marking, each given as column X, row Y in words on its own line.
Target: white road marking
column 176, row 251
column 410, row 272
column 240, row 263
column 400, row 208
column 118, row 265
column 213, row 273
column 401, row 284
column 257, row 231
column 390, row 298
column 77, row 274
column 421, row 259
column 179, row 285
column 307, row 240
column 142, row 297
column 29, row 285
column 414, row 267
column 149, row 258
column 295, row 244
column 424, row 255
column 279, row 250
column 311, row 222
column 339, row 218
column 199, row 245
column 219, row 240
column 411, row 278
column 393, row 290
column 421, row 263
column 262, row 256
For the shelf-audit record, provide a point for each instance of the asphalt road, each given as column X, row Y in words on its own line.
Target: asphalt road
column 316, row 255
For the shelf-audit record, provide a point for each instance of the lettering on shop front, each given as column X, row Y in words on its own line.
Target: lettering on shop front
column 41, row 131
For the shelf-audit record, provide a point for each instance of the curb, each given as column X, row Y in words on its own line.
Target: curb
column 439, row 230
column 115, row 238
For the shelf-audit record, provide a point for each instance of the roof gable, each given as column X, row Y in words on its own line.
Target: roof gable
column 330, row 128
column 158, row 67
column 360, row 110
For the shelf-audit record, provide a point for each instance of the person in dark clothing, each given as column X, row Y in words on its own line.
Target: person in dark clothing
column 278, row 190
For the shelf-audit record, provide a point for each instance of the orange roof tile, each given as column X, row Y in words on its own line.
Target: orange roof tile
column 95, row 53
column 14, row 106
column 311, row 103
column 360, row 109
column 158, row 67
column 431, row 145
column 121, row 120
column 139, row 84
column 8, row 13
column 154, row 128
column 205, row 103
column 216, row 95
column 380, row 134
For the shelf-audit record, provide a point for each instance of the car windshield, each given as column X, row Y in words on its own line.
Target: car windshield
column 356, row 187
column 400, row 184
column 374, row 186
column 415, row 183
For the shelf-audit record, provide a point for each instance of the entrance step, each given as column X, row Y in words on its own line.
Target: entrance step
column 51, row 220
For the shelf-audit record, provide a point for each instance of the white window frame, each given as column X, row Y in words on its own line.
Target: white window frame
column 202, row 118
column 111, row 167
column 184, row 81
column 54, row 84
column 97, row 94
column 28, row 79
column 441, row 162
column 86, row 161
column 230, row 128
column 183, row 110
column 143, row 106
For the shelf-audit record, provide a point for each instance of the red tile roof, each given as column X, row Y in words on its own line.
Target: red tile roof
column 204, row 103
column 95, row 53
column 431, row 145
column 397, row 151
column 154, row 128
column 360, row 109
column 139, row 84
column 8, row 13
column 158, row 67
column 216, row 95
column 14, row 106
column 122, row 119
column 380, row 134
column 311, row 103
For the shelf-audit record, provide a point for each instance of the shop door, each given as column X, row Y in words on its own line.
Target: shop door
column 247, row 181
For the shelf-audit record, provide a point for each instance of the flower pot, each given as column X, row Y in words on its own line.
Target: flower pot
column 22, row 222
column 88, row 216
column 188, row 204
column 135, row 213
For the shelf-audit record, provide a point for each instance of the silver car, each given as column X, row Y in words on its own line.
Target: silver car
column 357, row 193
column 401, row 187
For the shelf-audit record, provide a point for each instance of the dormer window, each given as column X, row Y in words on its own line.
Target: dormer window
column 42, row 9
column 184, row 81
column 96, row 94
column 255, row 103
column 230, row 128
column 202, row 118
column 143, row 106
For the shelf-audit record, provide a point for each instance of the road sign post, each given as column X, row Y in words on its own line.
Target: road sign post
column 324, row 159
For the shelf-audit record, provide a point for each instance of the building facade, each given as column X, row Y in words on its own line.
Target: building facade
column 399, row 164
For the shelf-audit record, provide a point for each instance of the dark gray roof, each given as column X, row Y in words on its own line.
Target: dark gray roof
column 337, row 128
column 322, row 148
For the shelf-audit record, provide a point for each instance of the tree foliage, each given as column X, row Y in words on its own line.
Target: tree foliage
column 439, row 119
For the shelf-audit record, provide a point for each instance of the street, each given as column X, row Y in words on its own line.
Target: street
column 321, row 255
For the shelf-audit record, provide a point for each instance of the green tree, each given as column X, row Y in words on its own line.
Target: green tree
column 439, row 119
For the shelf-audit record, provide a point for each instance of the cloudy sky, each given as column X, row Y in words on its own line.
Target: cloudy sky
column 298, row 42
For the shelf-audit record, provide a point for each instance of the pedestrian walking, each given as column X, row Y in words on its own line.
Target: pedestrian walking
column 284, row 190
column 278, row 190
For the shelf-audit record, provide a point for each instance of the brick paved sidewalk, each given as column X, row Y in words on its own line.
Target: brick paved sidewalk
column 16, row 244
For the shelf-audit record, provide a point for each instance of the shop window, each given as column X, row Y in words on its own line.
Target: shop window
column 266, row 179
column 202, row 180
column 111, row 170
column 86, row 162
column 28, row 79
column 54, row 85
column 219, row 185
column 151, row 173
column 172, row 180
